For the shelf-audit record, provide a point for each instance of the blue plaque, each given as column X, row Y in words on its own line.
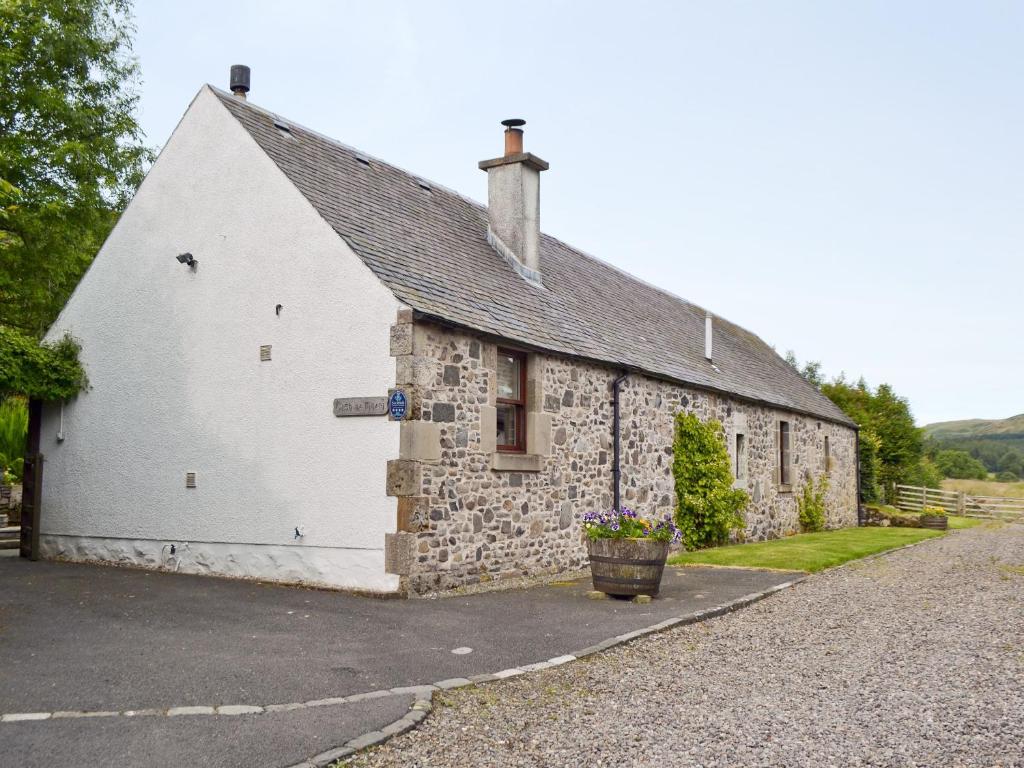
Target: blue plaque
column 398, row 404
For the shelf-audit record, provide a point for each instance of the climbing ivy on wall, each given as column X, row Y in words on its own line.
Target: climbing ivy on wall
column 707, row 506
column 43, row 371
column 811, row 504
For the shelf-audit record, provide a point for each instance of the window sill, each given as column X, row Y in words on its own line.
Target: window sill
column 785, row 488
column 504, row 461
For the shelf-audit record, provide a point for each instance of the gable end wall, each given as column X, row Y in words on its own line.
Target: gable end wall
column 178, row 385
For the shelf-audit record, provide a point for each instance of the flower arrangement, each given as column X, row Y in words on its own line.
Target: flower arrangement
column 627, row 524
column 933, row 511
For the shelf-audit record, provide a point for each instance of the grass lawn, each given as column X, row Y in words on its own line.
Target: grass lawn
column 807, row 551
column 984, row 488
column 955, row 521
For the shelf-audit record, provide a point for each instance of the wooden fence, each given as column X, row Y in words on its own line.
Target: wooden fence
column 912, row 499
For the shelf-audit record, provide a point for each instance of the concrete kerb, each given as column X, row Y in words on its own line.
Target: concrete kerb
column 423, row 706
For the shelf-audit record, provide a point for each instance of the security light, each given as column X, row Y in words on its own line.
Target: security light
column 187, row 258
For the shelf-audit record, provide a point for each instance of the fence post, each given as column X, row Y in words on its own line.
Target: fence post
column 924, row 498
column 961, row 503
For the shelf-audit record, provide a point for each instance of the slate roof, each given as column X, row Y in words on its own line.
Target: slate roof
column 429, row 248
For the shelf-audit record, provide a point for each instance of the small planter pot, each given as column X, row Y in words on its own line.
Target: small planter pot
column 936, row 522
column 627, row 566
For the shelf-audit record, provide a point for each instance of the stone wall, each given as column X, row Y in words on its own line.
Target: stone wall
column 467, row 514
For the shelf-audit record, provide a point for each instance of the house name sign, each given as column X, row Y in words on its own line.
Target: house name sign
column 360, row 406
column 395, row 405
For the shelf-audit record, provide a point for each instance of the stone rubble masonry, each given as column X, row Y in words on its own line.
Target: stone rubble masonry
column 468, row 514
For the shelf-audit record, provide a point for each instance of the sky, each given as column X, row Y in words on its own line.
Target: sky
column 844, row 179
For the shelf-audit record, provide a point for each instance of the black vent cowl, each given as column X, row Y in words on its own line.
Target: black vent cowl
column 239, row 80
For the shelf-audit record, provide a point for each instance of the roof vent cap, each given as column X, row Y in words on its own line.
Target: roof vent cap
column 239, row 80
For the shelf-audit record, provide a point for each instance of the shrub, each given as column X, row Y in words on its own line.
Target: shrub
column 627, row 524
column 707, row 506
column 811, row 504
column 924, row 474
column 1006, row 477
column 13, row 429
column 48, row 371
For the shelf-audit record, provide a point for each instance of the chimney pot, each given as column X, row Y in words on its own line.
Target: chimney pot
column 239, row 80
column 513, row 135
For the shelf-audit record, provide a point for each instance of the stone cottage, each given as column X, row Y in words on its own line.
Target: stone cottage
column 310, row 366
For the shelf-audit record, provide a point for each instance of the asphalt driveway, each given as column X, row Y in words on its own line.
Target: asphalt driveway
column 82, row 638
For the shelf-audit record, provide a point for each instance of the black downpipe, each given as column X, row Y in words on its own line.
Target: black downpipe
column 616, row 465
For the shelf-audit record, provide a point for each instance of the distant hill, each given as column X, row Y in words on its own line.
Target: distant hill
column 996, row 443
column 1000, row 429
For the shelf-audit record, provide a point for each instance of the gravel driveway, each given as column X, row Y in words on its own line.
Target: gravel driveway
column 912, row 659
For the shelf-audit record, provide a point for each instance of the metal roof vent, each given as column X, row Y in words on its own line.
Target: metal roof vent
column 239, row 80
column 190, row 479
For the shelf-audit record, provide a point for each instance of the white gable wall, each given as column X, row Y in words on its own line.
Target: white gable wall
column 176, row 382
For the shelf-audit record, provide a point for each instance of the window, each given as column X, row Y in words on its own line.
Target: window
column 511, row 401
column 740, row 469
column 827, row 456
column 784, row 471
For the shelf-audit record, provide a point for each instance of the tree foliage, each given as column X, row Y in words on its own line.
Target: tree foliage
column 887, row 416
column 924, row 474
column 13, row 431
column 891, row 446
column 707, row 506
column 43, row 371
column 71, row 151
column 960, row 464
column 870, row 492
column 811, row 370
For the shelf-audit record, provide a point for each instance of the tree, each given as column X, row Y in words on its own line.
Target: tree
column 811, row 370
column 71, row 151
column 960, row 464
column 1011, row 462
column 886, row 416
column 923, row 474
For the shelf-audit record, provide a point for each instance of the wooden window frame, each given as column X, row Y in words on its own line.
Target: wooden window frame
column 520, row 404
column 785, row 453
column 741, row 459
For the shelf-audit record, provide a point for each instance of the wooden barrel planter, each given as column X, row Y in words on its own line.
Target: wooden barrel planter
column 936, row 522
column 627, row 566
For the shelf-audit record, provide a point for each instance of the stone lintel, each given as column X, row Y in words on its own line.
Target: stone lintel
column 503, row 461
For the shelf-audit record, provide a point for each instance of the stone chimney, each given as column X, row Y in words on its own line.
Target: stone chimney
column 513, row 203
